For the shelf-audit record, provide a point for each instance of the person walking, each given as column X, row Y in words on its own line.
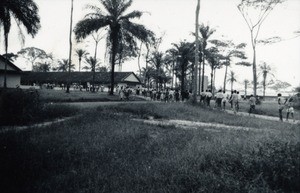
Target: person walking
column 234, row 100
column 280, row 101
column 219, row 97
column 224, row 100
column 208, row 97
column 252, row 103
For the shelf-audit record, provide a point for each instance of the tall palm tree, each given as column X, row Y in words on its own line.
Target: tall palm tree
column 80, row 53
column 205, row 32
column 93, row 63
column 119, row 25
column 158, row 60
column 264, row 71
column 184, row 52
column 24, row 13
column 232, row 79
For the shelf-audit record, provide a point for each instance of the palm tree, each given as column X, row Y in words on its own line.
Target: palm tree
column 265, row 70
column 196, row 52
column 157, row 60
column 232, row 79
column 25, row 13
column 81, row 53
column 93, row 64
column 205, row 32
column 63, row 65
column 184, row 51
column 119, row 25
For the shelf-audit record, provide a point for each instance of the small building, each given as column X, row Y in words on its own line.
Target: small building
column 13, row 74
column 80, row 78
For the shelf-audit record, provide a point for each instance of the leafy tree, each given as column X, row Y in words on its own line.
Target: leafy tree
column 264, row 71
column 10, row 56
column 42, row 67
column 254, row 22
column 280, row 85
column 33, row 55
column 119, row 25
column 231, row 51
column 25, row 13
column 81, row 53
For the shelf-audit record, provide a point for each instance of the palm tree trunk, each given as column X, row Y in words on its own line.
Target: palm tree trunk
column 139, row 60
column 113, row 58
column 211, row 81
column 79, row 63
column 173, row 72
column 225, row 79
column 5, row 64
column 196, row 53
column 70, row 50
column 203, row 69
column 200, row 81
column 231, row 86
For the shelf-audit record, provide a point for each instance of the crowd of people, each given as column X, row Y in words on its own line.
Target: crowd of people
column 221, row 98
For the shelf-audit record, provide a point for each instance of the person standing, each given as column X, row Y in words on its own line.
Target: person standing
column 280, row 101
column 290, row 110
column 208, row 97
column 219, row 97
column 252, row 102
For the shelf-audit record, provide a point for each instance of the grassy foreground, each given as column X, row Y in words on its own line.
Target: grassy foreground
column 105, row 151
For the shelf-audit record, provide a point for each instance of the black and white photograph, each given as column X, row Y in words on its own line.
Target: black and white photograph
column 149, row 96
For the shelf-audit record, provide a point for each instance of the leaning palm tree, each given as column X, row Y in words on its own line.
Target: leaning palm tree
column 25, row 13
column 119, row 24
column 232, row 79
column 80, row 53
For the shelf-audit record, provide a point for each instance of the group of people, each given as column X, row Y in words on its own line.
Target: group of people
column 221, row 99
column 285, row 104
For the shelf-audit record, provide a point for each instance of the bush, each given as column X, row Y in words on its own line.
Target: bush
column 18, row 106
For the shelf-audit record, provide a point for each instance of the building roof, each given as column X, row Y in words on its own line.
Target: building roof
column 11, row 68
column 60, row 77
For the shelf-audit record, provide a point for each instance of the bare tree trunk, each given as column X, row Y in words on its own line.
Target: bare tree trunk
column 254, row 71
column 70, row 50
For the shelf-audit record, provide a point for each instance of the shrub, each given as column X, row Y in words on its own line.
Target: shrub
column 18, row 106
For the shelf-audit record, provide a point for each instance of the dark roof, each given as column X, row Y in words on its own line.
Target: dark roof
column 58, row 77
column 16, row 69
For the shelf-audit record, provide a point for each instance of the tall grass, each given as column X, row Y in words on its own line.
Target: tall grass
column 105, row 151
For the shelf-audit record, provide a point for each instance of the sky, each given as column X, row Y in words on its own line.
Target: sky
column 174, row 20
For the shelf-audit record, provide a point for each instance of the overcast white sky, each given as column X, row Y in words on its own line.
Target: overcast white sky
column 176, row 19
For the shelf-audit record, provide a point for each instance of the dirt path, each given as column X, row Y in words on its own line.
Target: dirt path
column 263, row 117
column 185, row 124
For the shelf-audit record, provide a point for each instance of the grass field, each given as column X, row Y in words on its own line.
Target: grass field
column 105, row 151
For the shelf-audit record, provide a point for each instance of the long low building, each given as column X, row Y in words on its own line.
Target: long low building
column 82, row 78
